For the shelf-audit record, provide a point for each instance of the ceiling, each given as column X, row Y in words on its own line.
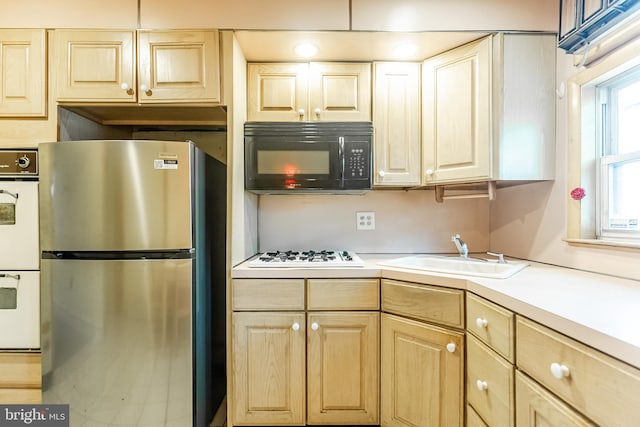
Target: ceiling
column 279, row 46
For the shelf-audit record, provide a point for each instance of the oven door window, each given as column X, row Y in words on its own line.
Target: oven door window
column 8, row 298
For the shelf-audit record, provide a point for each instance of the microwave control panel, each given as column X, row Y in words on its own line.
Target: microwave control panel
column 357, row 161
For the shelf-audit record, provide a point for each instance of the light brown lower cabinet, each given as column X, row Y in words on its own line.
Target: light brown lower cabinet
column 269, row 368
column 536, row 407
column 20, row 378
column 422, row 374
column 342, row 368
column 601, row 388
column 319, row 366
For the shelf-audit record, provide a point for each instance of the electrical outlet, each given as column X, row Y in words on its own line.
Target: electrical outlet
column 365, row 220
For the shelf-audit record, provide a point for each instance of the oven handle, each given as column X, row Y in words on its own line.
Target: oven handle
column 342, row 159
column 14, row 195
column 11, row 276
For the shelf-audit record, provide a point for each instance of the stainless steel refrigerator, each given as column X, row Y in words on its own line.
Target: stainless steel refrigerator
column 133, row 281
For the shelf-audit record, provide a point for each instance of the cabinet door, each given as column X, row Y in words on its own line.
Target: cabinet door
column 339, row 91
column 422, row 374
column 342, row 368
column 457, row 114
column 22, row 73
column 396, row 113
column 178, row 66
column 94, row 65
column 535, row 407
column 277, row 92
column 268, row 368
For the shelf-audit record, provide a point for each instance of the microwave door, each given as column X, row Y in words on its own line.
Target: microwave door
column 286, row 165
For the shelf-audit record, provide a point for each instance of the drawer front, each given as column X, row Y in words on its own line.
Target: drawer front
column 489, row 384
column 602, row 388
column 343, row 294
column 20, row 370
column 20, row 396
column 267, row 294
column 492, row 324
column 430, row 303
column 537, row 407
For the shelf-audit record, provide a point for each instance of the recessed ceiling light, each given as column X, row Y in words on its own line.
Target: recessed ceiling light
column 306, row 50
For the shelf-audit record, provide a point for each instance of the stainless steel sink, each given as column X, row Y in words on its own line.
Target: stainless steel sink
column 457, row 265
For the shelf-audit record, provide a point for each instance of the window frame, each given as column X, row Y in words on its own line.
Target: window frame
column 607, row 152
column 583, row 167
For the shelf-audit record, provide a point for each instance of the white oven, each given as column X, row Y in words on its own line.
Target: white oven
column 19, row 250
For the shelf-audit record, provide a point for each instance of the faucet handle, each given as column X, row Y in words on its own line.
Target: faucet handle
column 500, row 257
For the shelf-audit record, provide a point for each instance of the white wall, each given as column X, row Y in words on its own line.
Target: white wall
column 530, row 221
column 406, row 221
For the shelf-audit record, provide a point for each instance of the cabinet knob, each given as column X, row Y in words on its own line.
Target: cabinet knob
column 559, row 371
column 381, row 174
column 451, row 347
column 144, row 88
column 315, row 326
column 317, row 111
column 126, row 88
column 301, row 112
column 295, row 326
column 429, row 172
column 481, row 323
column 482, row 385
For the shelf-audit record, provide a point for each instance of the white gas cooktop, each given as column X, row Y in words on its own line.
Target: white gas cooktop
column 307, row 259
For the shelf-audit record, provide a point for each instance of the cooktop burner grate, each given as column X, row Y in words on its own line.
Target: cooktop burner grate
column 305, row 259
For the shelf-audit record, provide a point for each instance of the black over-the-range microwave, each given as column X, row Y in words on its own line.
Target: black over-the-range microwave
column 283, row 157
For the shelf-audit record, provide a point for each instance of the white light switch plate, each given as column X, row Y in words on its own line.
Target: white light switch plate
column 365, row 220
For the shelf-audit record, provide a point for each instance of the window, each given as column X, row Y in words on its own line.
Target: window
column 604, row 144
column 618, row 152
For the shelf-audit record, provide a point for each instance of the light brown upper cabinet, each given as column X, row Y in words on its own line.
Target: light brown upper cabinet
column 396, row 114
column 23, row 73
column 489, row 111
column 330, row 91
column 142, row 66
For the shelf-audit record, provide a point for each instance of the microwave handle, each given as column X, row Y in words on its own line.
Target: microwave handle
column 341, row 154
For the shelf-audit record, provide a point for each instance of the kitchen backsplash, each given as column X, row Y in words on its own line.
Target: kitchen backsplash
column 405, row 221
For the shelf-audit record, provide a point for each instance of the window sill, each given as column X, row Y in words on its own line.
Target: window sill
column 604, row 244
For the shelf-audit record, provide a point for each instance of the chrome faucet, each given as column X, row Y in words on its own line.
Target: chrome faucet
column 463, row 250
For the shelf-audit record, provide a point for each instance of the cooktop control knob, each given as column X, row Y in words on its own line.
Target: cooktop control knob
column 24, row 162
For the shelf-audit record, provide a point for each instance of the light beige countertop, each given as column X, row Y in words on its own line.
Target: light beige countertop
column 598, row 310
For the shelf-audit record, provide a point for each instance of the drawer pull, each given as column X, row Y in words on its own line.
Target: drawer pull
column 482, row 385
column 481, row 323
column 315, row 326
column 295, row 326
column 451, row 347
column 559, row 371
